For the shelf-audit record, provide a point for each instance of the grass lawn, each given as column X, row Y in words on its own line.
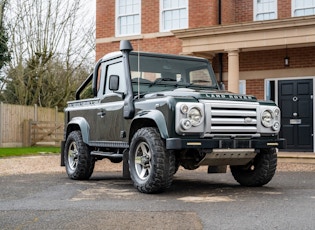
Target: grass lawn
column 23, row 151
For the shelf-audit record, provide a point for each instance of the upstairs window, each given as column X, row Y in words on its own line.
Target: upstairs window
column 174, row 15
column 128, row 17
column 303, row 7
column 265, row 10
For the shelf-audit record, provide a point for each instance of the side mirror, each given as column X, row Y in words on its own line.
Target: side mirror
column 114, row 82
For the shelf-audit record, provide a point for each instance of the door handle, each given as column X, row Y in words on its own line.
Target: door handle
column 102, row 113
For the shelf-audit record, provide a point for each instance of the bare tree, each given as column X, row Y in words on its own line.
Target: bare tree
column 4, row 54
column 52, row 50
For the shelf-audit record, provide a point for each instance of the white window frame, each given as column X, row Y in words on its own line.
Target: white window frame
column 310, row 7
column 266, row 11
column 119, row 16
column 242, row 86
column 173, row 9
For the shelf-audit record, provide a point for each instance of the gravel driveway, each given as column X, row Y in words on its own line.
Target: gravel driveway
column 51, row 164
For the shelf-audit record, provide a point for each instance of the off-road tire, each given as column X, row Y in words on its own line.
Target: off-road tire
column 259, row 171
column 78, row 161
column 151, row 166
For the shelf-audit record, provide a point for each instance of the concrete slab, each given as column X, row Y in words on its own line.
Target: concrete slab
column 297, row 157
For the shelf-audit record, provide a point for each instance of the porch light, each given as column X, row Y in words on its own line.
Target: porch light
column 286, row 58
column 286, row 61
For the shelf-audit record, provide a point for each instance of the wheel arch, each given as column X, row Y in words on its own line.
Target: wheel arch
column 79, row 123
column 76, row 123
column 151, row 118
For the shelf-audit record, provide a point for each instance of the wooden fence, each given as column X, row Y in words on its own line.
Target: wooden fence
column 30, row 125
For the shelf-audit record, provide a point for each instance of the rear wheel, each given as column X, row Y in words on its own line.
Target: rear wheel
column 78, row 161
column 259, row 171
column 151, row 166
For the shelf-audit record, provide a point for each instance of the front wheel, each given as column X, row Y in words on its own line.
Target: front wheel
column 78, row 161
column 259, row 171
column 151, row 166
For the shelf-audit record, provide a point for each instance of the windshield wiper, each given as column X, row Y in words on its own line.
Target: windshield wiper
column 159, row 80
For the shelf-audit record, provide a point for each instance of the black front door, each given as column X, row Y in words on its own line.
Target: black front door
column 296, row 104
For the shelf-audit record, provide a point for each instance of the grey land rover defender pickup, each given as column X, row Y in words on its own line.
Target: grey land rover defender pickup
column 157, row 112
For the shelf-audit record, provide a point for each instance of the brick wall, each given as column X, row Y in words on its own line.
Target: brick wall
column 284, row 9
column 228, row 12
column 256, row 88
column 170, row 45
column 268, row 60
column 274, row 59
column 244, row 10
column 271, row 59
column 105, row 18
column 203, row 13
column 150, row 18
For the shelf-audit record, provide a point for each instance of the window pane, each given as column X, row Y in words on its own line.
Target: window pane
column 166, row 4
column 303, row 7
column 128, row 18
column 308, row 3
column 182, row 3
column 122, row 10
column 265, row 9
column 183, row 14
column 174, row 14
column 174, row 4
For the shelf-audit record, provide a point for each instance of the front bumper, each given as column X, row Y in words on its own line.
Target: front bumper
column 259, row 143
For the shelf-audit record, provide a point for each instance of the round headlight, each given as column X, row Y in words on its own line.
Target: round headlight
column 277, row 113
column 267, row 119
column 276, row 126
column 186, row 124
column 184, row 108
column 195, row 116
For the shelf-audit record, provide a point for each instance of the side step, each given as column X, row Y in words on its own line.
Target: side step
column 115, row 157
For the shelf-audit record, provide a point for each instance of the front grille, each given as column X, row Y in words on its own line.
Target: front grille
column 231, row 118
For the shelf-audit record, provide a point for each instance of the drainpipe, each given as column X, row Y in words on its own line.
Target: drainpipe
column 219, row 13
column 220, row 54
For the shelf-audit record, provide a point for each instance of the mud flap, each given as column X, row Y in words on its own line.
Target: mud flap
column 126, row 172
column 62, row 160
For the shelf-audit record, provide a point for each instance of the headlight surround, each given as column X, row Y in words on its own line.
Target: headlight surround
column 270, row 118
column 189, row 117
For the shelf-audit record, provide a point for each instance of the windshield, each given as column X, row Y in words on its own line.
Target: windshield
column 151, row 73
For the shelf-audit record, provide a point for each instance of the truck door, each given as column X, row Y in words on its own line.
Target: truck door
column 109, row 115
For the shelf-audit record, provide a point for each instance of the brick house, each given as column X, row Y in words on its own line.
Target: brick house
column 261, row 47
